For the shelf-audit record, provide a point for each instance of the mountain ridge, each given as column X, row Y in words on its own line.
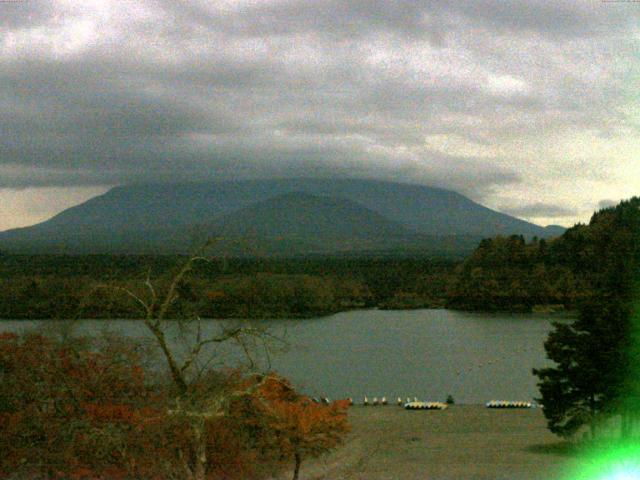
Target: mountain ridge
column 400, row 214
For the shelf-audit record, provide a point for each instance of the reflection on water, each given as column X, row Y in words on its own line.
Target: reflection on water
column 423, row 353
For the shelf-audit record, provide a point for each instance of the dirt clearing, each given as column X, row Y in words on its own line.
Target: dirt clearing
column 462, row 442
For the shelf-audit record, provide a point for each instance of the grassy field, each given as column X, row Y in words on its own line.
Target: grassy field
column 462, row 442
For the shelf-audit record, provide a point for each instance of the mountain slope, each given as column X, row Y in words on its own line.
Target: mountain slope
column 302, row 215
column 163, row 217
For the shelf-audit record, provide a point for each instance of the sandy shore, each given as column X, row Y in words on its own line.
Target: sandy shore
column 462, row 442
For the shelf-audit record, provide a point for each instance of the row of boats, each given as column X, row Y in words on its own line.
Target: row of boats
column 416, row 404
column 508, row 404
column 425, row 405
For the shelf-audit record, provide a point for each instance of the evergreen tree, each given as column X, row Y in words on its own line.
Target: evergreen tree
column 590, row 367
column 595, row 356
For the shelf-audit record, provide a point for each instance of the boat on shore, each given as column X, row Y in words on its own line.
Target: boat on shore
column 508, row 404
column 425, row 406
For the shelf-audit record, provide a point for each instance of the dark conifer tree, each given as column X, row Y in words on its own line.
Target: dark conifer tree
column 595, row 356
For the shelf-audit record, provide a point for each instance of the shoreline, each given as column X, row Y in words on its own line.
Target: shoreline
column 313, row 315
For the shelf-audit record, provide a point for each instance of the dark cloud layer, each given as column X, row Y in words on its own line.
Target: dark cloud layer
column 454, row 94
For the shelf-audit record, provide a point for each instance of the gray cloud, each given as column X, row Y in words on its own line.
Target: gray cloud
column 539, row 209
column 335, row 19
column 25, row 13
column 430, row 19
column 606, row 203
column 547, row 17
column 159, row 90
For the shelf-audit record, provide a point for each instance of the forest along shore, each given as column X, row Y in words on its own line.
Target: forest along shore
column 91, row 286
column 461, row 442
column 503, row 274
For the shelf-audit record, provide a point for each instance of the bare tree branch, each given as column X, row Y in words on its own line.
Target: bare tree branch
column 148, row 308
column 195, row 351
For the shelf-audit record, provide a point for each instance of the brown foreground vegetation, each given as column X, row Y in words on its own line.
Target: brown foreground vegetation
column 70, row 410
column 462, row 442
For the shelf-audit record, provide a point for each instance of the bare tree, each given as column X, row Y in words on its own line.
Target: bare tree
column 192, row 404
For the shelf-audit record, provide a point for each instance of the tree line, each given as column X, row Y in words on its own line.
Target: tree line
column 507, row 273
column 502, row 274
column 42, row 287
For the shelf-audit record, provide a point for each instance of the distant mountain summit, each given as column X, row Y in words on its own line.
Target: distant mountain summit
column 300, row 215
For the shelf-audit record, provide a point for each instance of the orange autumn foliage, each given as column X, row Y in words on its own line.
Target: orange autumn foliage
column 71, row 410
column 296, row 426
column 67, row 411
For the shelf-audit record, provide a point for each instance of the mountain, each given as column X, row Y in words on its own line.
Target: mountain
column 288, row 215
column 553, row 231
column 300, row 215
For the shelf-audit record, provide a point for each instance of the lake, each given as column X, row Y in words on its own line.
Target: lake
column 427, row 354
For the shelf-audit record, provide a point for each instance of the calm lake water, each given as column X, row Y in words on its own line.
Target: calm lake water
column 423, row 353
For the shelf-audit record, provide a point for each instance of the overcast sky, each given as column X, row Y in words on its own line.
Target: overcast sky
column 529, row 107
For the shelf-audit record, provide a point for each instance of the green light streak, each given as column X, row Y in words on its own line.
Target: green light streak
column 620, row 462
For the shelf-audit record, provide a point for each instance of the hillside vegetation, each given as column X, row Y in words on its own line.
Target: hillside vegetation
column 57, row 286
column 507, row 273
